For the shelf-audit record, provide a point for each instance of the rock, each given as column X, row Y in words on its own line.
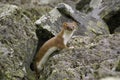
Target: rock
column 16, row 2
column 117, row 30
column 109, row 7
column 113, row 21
column 118, row 65
column 35, row 12
column 111, row 78
column 104, row 6
column 108, row 10
column 87, row 25
column 91, row 59
column 38, row 3
column 83, row 6
column 17, row 42
column 49, row 1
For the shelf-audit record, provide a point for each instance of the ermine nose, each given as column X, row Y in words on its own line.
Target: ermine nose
column 73, row 27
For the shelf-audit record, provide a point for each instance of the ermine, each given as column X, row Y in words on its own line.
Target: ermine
column 57, row 42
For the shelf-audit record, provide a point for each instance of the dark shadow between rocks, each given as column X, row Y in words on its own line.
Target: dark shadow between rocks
column 113, row 21
column 43, row 35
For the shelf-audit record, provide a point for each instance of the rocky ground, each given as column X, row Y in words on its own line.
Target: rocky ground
column 90, row 59
column 26, row 24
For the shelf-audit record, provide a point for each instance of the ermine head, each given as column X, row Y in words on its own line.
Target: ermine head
column 69, row 26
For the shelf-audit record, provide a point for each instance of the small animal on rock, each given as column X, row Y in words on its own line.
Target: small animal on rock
column 57, row 42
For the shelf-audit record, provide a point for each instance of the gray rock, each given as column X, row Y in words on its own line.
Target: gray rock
column 118, row 66
column 109, row 7
column 90, row 59
column 102, row 7
column 117, row 30
column 17, row 42
column 110, row 78
column 108, row 10
column 87, row 25
column 83, row 6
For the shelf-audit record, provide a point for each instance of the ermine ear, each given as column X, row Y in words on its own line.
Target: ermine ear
column 65, row 24
column 74, row 23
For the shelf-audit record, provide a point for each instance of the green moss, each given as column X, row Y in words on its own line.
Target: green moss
column 8, row 75
column 96, row 74
column 35, row 13
column 65, row 79
column 96, row 66
column 1, row 76
column 1, row 53
column 118, row 67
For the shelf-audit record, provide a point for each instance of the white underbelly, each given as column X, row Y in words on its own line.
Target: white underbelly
column 45, row 57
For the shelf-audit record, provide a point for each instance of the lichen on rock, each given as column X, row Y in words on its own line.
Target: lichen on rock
column 96, row 59
column 17, row 41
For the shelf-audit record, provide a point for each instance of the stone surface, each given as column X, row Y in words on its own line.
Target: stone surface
column 17, row 42
column 110, row 78
column 108, row 10
column 91, row 59
column 40, row 3
column 100, row 7
column 87, row 25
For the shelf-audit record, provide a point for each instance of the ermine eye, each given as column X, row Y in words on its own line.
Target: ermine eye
column 68, row 28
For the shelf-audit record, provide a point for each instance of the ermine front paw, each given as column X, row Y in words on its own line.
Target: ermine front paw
column 71, row 47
